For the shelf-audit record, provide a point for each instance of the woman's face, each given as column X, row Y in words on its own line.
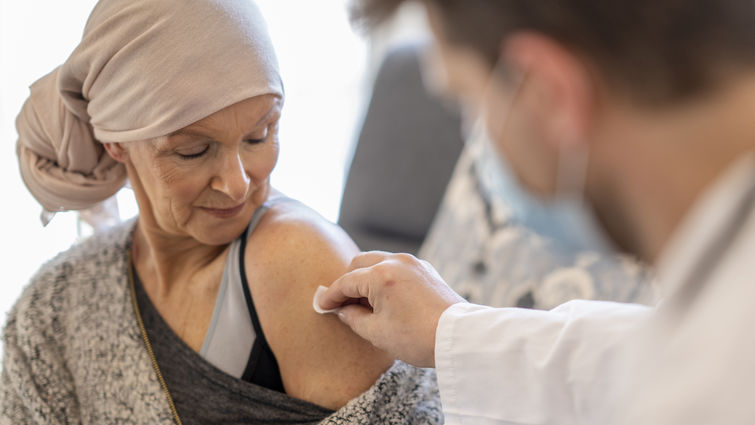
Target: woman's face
column 206, row 180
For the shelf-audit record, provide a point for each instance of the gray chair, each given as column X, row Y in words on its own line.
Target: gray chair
column 406, row 152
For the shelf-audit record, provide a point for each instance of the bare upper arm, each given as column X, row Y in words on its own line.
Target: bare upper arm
column 321, row 360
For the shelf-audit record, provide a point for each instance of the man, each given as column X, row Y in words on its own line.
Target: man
column 643, row 110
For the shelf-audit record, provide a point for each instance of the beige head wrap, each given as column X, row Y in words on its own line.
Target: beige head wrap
column 143, row 69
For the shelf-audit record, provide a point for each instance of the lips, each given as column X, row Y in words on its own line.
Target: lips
column 224, row 212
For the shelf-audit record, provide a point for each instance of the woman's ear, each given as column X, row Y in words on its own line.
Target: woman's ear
column 116, row 151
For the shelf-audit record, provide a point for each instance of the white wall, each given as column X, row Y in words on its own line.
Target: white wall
column 36, row 36
column 322, row 62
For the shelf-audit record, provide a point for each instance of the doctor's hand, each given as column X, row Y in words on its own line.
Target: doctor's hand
column 394, row 301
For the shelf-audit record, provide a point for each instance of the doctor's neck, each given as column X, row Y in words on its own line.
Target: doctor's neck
column 655, row 163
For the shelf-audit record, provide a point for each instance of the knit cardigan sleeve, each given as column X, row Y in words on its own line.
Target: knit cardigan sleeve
column 35, row 387
column 73, row 353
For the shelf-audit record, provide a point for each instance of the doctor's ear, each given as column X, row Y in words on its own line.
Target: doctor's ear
column 559, row 88
column 116, row 151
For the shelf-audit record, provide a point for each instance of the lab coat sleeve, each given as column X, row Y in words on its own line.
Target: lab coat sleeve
column 517, row 366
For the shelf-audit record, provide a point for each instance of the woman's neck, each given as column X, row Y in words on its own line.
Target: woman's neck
column 163, row 260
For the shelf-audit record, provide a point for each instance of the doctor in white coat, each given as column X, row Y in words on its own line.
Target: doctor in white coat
column 645, row 111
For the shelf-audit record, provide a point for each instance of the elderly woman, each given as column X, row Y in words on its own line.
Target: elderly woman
column 200, row 310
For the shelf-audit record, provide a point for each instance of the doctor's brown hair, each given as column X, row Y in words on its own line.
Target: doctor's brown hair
column 655, row 50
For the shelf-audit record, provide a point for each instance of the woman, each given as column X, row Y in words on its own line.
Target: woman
column 198, row 311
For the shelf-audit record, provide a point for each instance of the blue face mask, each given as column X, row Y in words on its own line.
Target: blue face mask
column 565, row 219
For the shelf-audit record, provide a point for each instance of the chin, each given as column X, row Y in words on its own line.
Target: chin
column 215, row 231
column 218, row 234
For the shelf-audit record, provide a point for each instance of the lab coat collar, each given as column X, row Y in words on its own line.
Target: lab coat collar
column 711, row 214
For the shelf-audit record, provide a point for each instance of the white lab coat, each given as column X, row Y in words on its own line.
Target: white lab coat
column 691, row 361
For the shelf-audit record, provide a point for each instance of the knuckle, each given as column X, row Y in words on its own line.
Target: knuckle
column 403, row 258
column 383, row 271
column 355, row 261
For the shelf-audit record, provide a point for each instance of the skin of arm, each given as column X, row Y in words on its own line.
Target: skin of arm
column 321, row 360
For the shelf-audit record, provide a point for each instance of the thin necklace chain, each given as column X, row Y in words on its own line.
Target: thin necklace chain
column 147, row 344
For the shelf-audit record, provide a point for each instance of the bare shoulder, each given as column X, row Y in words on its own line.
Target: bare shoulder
column 289, row 222
column 292, row 252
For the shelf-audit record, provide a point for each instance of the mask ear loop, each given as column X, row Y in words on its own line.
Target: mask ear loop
column 572, row 170
column 571, row 175
column 499, row 73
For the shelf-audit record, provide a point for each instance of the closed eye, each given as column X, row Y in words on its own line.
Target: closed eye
column 193, row 155
column 261, row 139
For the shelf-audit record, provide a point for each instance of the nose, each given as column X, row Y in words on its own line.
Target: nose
column 231, row 178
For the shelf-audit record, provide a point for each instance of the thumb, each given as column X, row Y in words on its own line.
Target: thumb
column 358, row 318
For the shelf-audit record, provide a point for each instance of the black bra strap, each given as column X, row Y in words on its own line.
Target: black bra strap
column 262, row 368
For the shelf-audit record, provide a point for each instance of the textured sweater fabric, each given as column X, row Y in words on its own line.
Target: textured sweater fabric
column 73, row 353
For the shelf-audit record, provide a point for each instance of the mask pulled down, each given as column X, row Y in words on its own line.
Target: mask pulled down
column 566, row 218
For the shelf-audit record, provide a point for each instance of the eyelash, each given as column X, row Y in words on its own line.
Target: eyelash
column 193, row 155
column 199, row 154
column 255, row 141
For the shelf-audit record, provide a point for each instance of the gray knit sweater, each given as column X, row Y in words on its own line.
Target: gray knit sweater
column 73, row 353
